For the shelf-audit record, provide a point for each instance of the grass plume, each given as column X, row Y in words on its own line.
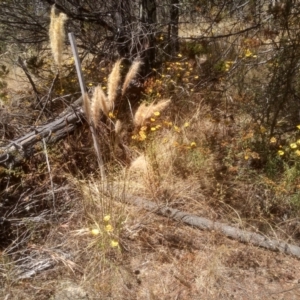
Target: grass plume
column 113, row 84
column 145, row 112
column 87, row 107
column 99, row 102
column 130, row 75
column 57, row 35
column 118, row 127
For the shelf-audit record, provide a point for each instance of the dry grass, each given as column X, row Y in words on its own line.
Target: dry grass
column 131, row 75
column 105, row 246
column 145, row 112
column 99, row 103
column 57, row 35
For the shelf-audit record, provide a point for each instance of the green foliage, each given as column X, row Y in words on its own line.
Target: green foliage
column 191, row 49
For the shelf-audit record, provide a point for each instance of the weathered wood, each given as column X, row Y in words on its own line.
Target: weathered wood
column 229, row 231
column 21, row 148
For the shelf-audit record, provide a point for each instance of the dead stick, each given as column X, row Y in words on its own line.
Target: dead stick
column 229, row 231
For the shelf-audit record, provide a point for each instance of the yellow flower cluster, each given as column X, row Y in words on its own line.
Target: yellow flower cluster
column 108, row 228
column 294, row 146
column 174, row 76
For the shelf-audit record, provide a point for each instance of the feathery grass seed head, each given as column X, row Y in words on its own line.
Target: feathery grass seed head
column 131, row 74
column 145, row 112
column 98, row 103
column 113, row 83
column 57, row 35
column 87, row 107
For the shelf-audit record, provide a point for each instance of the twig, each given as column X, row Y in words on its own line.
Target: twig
column 24, row 68
column 48, row 97
column 50, row 174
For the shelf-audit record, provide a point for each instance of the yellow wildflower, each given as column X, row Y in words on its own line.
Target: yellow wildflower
column 273, row 140
column 109, row 228
column 169, row 124
column 193, row 144
column 152, row 120
column 186, row 124
column 111, row 115
column 114, row 244
column 176, row 128
column 95, row 231
column 156, row 114
column 143, row 135
column 293, row 145
column 179, row 55
column 297, row 152
column 106, row 218
column 248, row 53
column 280, row 152
column 153, row 128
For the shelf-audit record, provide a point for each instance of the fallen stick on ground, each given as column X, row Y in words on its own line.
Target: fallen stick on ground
column 229, row 231
column 16, row 151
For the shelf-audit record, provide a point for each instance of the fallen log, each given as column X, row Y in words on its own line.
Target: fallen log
column 22, row 148
column 229, row 231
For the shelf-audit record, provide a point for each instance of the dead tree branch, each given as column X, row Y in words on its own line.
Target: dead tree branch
column 229, row 231
column 16, row 151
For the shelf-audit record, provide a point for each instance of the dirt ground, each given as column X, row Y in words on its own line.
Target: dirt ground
column 158, row 259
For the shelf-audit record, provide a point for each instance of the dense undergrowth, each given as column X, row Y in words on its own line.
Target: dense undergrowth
column 226, row 146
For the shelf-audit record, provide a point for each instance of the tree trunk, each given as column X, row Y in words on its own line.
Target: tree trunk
column 148, row 16
column 173, row 29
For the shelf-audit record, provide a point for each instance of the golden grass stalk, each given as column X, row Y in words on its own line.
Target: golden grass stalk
column 113, row 84
column 145, row 112
column 130, row 75
column 99, row 102
column 57, row 35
